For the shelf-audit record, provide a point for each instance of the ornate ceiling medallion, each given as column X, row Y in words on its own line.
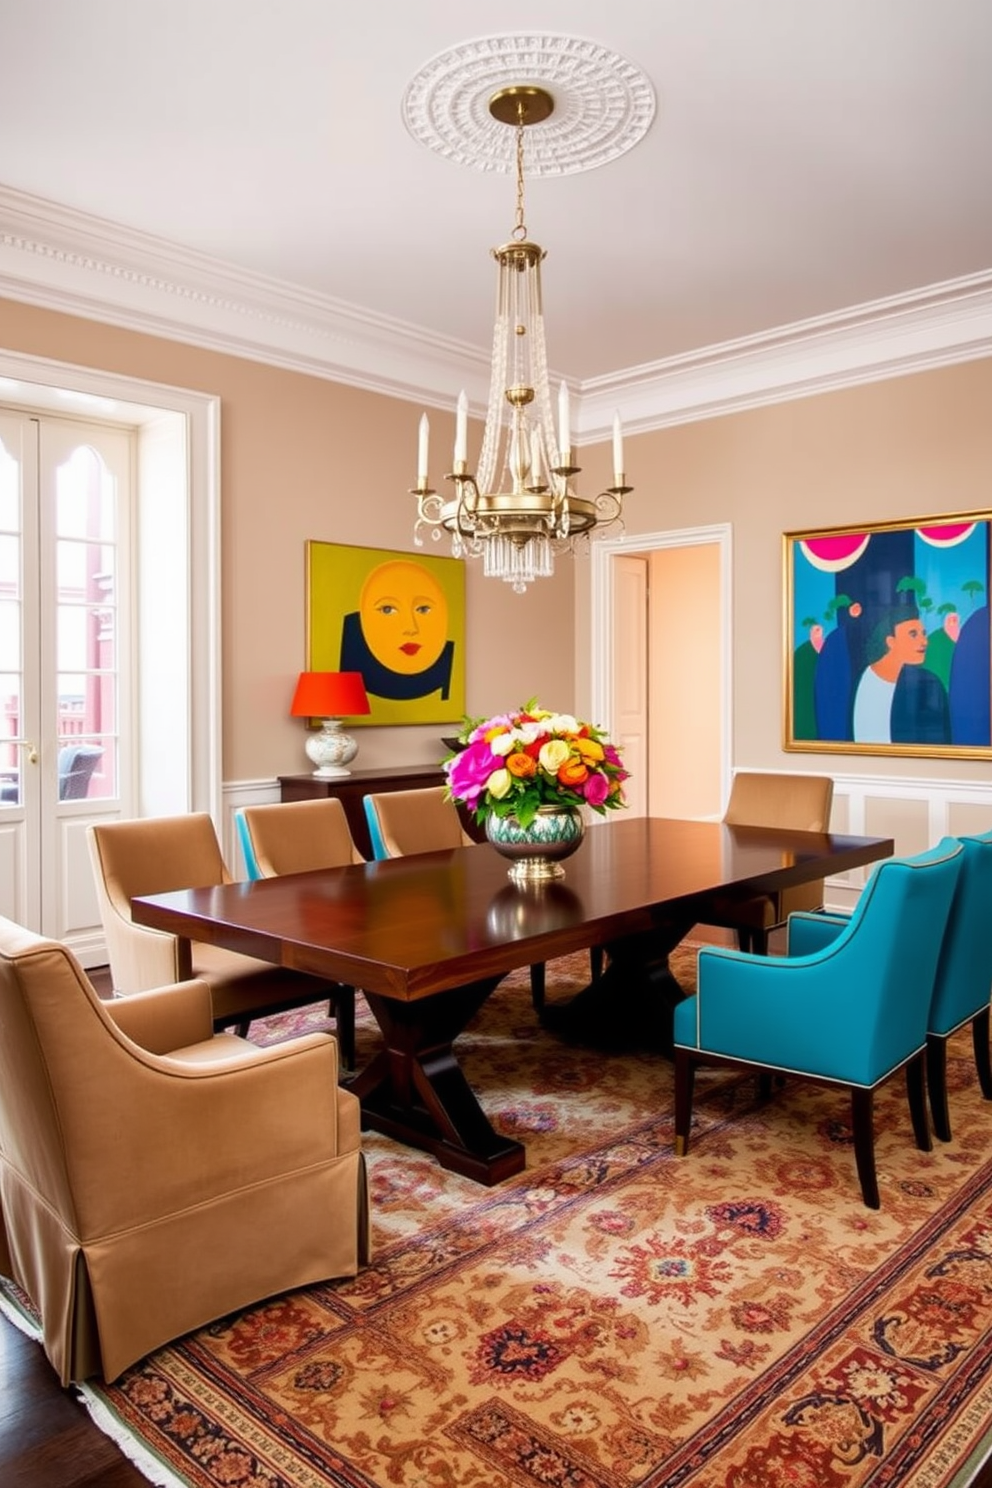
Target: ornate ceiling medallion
column 603, row 104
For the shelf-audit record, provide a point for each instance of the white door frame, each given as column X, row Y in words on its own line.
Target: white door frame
column 36, row 378
column 601, row 622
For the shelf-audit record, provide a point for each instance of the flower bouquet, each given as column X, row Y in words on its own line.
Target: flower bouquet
column 515, row 763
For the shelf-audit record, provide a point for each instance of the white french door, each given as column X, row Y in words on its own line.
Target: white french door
column 65, row 499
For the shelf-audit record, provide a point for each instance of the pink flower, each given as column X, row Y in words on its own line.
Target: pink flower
column 469, row 771
column 596, row 789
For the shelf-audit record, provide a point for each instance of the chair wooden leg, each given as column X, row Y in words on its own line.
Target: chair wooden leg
column 937, row 1085
column 765, row 1085
column 685, row 1072
column 916, row 1090
column 241, row 1029
column 759, row 942
column 597, row 960
column 743, row 939
column 980, row 1042
column 537, row 981
column 343, row 1009
column 863, row 1126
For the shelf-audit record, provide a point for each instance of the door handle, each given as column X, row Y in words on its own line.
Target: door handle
column 31, row 749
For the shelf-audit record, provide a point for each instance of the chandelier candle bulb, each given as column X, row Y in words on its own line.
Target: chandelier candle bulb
column 617, row 451
column 535, row 457
column 422, row 449
column 461, row 431
column 564, row 425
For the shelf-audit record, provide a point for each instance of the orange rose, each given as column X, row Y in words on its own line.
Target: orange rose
column 573, row 772
column 521, row 765
column 590, row 750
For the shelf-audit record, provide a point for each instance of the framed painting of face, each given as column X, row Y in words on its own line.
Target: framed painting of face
column 887, row 638
column 397, row 618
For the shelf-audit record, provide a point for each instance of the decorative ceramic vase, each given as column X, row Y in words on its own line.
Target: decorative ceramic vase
column 536, row 851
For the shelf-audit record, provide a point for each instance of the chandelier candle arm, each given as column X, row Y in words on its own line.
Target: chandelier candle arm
column 422, row 452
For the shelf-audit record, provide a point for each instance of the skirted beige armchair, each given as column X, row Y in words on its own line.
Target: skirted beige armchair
column 155, row 1175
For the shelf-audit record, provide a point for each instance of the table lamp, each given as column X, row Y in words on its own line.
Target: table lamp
column 329, row 696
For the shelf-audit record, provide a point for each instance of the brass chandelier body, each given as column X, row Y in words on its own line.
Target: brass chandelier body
column 519, row 508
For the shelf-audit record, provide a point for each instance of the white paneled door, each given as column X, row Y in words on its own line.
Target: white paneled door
column 630, row 675
column 64, row 524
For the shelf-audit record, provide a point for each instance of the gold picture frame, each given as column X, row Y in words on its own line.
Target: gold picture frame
column 887, row 646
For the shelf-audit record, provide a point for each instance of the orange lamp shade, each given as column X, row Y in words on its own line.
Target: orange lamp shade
column 330, row 695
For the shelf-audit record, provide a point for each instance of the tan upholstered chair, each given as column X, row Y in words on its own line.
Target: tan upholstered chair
column 155, row 1175
column 417, row 821
column 800, row 802
column 155, row 855
column 295, row 837
column 413, row 821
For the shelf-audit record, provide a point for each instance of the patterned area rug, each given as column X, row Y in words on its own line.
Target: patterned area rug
column 613, row 1316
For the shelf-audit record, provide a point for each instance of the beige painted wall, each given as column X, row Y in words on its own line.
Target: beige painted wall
column 909, row 447
column 305, row 458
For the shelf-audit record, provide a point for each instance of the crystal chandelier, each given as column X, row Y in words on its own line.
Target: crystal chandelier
column 520, row 507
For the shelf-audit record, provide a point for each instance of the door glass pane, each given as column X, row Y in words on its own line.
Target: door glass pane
column 86, row 618
column 10, row 628
column 10, row 724
column 85, row 497
column 10, row 566
column 10, row 507
column 85, row 769
column 10, row 635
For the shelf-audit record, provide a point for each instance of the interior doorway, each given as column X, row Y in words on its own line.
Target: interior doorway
column 671, row 647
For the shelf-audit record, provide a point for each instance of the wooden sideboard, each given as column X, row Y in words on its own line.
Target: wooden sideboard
column 350, row 790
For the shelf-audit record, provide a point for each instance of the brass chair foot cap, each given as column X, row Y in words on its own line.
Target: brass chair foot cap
column 681, row 1146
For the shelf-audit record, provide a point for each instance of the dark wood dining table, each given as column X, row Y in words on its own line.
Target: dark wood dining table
column 428, row 938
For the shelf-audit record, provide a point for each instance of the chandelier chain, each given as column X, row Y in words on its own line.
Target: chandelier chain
column 520, row 230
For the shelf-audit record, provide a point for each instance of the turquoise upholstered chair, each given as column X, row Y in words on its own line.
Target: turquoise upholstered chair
column 964, row 979
column 852, row 1012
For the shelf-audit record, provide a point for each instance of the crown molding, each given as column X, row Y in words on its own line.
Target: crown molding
column 64, row 260
column 936, row 326
column 60, row 259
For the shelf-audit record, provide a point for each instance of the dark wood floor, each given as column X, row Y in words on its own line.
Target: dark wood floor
column 47, row 1439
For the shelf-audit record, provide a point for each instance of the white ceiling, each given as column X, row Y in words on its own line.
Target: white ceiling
column 804, row 158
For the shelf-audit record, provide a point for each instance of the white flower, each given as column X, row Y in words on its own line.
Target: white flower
column 562, row 723
column 499, row 783
column 553, row 755
column 502, row 744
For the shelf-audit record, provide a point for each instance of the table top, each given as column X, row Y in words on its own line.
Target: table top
column 409, row 927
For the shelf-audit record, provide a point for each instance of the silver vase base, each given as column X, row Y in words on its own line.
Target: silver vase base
column 535, row 870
